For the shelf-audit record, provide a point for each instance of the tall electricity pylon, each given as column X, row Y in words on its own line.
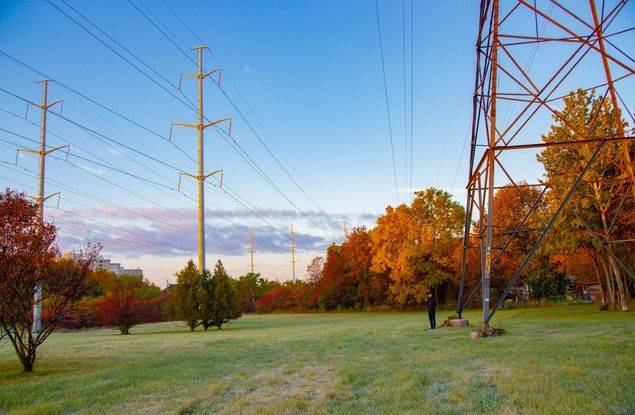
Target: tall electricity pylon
column 42, row 152
column 293, row 260
column 513, row 103
column 200, row 126
column 251, row 250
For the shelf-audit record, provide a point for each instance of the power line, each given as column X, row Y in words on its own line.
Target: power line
column 75, row 214
column 118, row 53
column 78, row 191
column 161, row 30
column 405, row 102
column 107, row 166
column 234, row 195
column 449, row 124
column 235, row 145
column 412, row 58
column 383, row 71
column 242, row 153
column 145, row 180
column 87, row 98
column 71, row 189
column 244, row 118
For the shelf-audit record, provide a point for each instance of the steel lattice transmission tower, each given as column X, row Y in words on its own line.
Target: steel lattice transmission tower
column 200, row 126
column 529, row 55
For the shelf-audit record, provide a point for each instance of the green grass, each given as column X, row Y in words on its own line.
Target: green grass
column 554, row 360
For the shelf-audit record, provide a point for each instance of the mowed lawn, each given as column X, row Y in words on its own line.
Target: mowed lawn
column 558, row 360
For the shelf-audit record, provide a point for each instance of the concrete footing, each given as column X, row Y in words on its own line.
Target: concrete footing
column 486, row 331
column 458, row 322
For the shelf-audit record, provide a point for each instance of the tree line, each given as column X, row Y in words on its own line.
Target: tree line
column 412, row 250
column 415, row 249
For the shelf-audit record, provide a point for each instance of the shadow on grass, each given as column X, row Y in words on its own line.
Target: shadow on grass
column 186, row 330
column 15, row 372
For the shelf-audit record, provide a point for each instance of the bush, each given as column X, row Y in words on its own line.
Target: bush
column 78, row 316
column 153, row 309
column 122, row 309
column 278, row 299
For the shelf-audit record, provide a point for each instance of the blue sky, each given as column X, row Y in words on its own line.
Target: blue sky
column 311, row 73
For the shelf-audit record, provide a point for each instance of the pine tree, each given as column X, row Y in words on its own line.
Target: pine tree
column 185, row 296
column 221, row 299
column 206, row 298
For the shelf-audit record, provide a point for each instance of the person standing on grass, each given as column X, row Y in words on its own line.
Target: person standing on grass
column 431, row 304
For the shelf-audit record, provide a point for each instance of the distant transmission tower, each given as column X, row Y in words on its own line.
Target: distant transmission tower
column 42, row 152
column 293, row 260
column 512, row 101
column 251, row 250
column 200, row 126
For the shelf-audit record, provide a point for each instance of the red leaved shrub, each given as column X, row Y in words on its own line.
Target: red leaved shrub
column 122, row 309
column 278, row 299
column 75, row 317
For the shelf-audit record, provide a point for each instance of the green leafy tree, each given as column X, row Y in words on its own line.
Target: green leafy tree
column 250, row 287
column 184, row 304
column 219, row 298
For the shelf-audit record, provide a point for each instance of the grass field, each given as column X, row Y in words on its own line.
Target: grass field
column 555, row 360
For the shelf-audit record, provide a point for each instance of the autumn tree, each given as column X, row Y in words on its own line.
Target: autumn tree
column 308, row 295
column 29, row 258
column 184, row 304
column 357, row 254
column 472, row 266
column 314, row 270
column 335, row 289
column 121, row 308
column 601, row 210
column 391, row 241
column 415, row 244
column 278, row 299
column 512, row 204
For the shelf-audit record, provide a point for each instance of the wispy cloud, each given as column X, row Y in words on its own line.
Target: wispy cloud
column 94, row 170
column 134, row 232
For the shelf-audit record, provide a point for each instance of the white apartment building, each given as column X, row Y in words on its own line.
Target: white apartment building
column 116, row 268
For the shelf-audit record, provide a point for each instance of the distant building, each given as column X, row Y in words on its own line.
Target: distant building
column 116, row 268
column 590, row 290
column 135, row 272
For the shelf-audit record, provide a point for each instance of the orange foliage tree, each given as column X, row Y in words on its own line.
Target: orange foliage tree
column 511, row 205
column 415, row 245
column 601, row 209
column 335, row 288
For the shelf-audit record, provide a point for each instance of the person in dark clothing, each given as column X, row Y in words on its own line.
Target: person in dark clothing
column 431, row 304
